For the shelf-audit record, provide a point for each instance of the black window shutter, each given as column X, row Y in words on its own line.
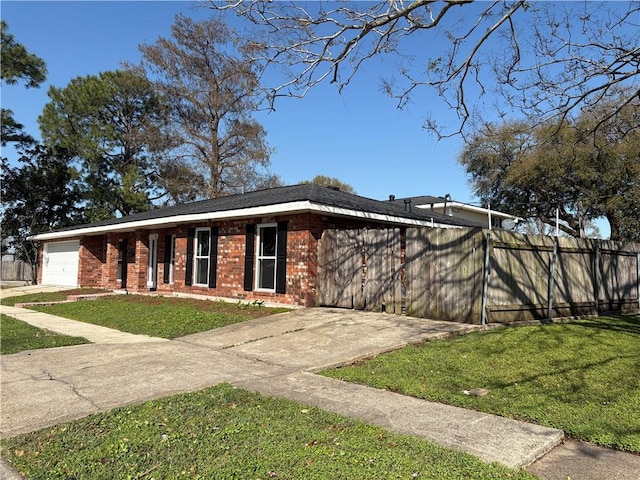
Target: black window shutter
column 188, row 270
column 249, row 254
column 213, row 257
column 281, row 258
column 167, row 258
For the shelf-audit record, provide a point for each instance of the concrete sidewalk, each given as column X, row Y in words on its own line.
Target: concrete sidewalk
column 492, row 439
column 10, row 290
column 94, row 333
column 275, row 356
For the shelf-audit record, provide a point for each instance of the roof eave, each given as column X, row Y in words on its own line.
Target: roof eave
column 471, row 208
column 277, row 209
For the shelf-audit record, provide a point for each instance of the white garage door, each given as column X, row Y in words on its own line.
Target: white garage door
column 60, row 263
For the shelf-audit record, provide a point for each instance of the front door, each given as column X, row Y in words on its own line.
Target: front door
column 152, row 271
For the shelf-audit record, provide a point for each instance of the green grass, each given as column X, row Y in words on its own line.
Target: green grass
column 582, row 377
column 227, row 433
column 48, row 296
column 16, row 336
column 166, row 317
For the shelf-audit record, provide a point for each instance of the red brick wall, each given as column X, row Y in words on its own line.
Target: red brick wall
column 300, row 288
column 93, row 255
column 40, row 257
column 99, row 258
column 110, row 268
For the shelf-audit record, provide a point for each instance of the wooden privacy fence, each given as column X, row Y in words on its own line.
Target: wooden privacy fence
column 16, row 270
column 361, row 269
column 476, row 276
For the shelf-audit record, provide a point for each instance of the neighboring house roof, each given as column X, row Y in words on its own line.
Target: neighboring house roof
column 428, row 201
column 273, row 201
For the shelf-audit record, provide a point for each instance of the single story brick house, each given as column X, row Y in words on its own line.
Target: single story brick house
column 261, row 245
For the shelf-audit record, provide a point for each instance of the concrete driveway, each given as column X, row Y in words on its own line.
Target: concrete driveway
column 275, row 356
column 43, row 387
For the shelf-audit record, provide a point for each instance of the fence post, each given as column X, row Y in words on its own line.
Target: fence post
column 596, row 276
column 598, row 273
column 552, row 277
column 638, row 277
column 485, row 279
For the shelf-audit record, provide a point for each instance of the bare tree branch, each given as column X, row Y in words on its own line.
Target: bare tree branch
column 539, row 61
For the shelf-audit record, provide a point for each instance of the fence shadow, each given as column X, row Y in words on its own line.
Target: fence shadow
column 442, row 274
column 622, row 323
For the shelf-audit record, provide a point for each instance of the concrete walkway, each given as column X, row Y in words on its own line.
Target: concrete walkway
column 22, row 289
column 275, row 356
column 94, row 333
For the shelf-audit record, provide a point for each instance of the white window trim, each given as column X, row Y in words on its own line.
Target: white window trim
column 259, row 257
column 196, row 256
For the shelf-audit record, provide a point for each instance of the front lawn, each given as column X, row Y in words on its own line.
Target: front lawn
column 581, row 377
column 16, row 336
column 226, row 433
column 157, row 316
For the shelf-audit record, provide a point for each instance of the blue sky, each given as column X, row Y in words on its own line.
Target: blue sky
column 358, row 136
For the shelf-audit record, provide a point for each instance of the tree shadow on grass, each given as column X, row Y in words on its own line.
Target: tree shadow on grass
column 618, row 323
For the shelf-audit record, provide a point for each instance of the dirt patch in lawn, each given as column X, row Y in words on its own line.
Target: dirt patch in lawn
column 253, row 310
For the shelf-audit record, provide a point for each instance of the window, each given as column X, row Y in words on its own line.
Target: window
column 169, row 259
column 121, row 273
column 152, row 265
column 201, row 257
column 266, row 258
column 269, row 257
column 172, row 257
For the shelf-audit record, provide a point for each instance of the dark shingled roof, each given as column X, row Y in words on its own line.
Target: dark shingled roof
column 279, row 195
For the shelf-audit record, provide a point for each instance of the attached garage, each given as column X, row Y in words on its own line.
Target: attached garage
column 60, row 263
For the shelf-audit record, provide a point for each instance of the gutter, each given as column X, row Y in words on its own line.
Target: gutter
column 470, row 208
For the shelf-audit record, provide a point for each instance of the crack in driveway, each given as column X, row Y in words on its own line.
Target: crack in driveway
column 72, row 386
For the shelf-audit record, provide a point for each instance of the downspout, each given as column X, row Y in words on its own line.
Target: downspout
column 638, row 277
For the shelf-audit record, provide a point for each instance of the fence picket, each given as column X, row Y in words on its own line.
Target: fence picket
column 442, row 274
column 16, row 270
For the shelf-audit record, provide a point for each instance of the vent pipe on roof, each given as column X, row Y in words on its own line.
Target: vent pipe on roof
column 447, row 197
column 392, row 198
column 407, row 204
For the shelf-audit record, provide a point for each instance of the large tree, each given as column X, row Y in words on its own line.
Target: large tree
column 18, row 65
column 545, row 60
column 533, row 172
column 39, row 194
column 325, row 181
column 203, row 71
column 112, row 124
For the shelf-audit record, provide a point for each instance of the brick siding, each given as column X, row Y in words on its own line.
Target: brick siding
column 99, row 258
